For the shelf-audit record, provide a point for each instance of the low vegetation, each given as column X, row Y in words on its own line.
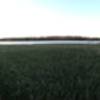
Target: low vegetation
column 54, row 72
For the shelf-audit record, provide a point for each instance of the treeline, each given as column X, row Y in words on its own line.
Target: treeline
column 49, row 38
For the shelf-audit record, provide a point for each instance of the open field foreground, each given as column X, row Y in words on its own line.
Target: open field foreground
column 54, row 72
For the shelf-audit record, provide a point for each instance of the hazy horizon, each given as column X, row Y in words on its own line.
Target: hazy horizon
column 28, row 18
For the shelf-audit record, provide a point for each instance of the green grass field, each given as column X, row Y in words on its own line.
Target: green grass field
column 50, row 72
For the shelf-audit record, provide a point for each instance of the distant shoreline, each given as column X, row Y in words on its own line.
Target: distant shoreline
column 51, row 38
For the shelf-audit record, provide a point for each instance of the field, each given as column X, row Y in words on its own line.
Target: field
column 50, row 72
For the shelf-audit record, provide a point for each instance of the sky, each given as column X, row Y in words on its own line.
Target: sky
column 29, row 18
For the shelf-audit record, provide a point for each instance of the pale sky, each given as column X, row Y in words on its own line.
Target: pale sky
column 22, row 18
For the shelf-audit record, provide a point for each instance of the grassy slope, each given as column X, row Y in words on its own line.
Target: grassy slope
column 54, row 72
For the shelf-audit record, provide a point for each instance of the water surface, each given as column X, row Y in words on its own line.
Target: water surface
column 49, row 42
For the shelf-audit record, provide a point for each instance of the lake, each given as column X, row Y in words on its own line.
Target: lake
column 49, row 42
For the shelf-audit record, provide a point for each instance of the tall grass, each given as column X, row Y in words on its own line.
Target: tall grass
column 54, row 72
